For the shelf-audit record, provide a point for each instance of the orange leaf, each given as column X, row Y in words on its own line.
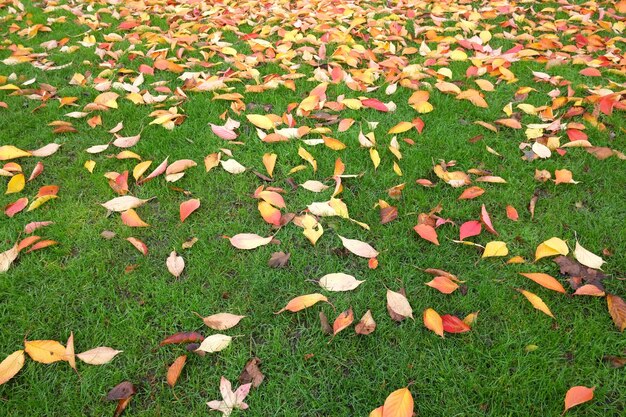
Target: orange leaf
column 617, row 309
column 511, row 213
column 443, row 284
column 173, row 372
column 471, row 192
column 577, row 395
column 427, row 232
column 302, row 302
column 45, row 351
column 342, row 321
column 399, row 404
column 188, row 207
column 545, row 280
column 131, row 219
column 433, row 321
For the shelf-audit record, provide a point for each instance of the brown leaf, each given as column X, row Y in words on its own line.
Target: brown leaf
column 182, row 337
column 251, row 373
column 279, row 259
column 617, row 309
column 584, row 274
column 388, row 214
column 173, row 372
column 615, row 361
column 121, row 391
column 324, row 323
column 366, row 325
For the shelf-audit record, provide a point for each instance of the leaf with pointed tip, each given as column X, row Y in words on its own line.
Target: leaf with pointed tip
column 469, row 229
column 453, row 324
column 302, row 302
column 358, row 247
column 486, row 220
column 427, row 232
column 173, row 372
column 188, row 207
column 587, row 258
column 536, row 302
column 577, row 395
column 45, row 351
column 246, row 241
column 545, row 280
column 342, row 321
column 99, row 355
column 339, row 282
column 366, row 325
column 433, row 321
column 222, row 321
column 399, row 305
column 443, row 284
column 617, row 309
column 398, row 404
column 131, row 219
column 551, row 247
column 124, row 203
column 11, row 365
column 138, row 244
column 215, row 343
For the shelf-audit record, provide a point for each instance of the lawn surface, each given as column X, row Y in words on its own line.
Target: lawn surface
column 58, row 57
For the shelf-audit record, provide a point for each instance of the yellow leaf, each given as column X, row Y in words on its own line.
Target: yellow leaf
column 495, row 248
column 551, row 247
column 8, row 152
column 90, row 165
column 396, row 169
column 140, row 168
column 536, row 302
column 11, row 365
column 433, row 321
column 260, row 121
column 45, row 351
column 398, row 404
column 307, row 157
column 375, row 157
column 40, row 201
column 334, row 144
column 269, row 160
column 16, row 184
column 400, row 128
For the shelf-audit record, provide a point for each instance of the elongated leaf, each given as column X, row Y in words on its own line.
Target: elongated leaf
column 358, row 247
column 339, row 282
column 99, row 355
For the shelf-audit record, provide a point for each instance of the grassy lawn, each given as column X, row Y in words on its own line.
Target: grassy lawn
column 109, row 294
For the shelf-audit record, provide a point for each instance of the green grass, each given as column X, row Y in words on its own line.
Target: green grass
column 81, row 284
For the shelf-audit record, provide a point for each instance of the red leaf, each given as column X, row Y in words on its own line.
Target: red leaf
column 374, row 104
column 590, row 72
column 453, row 324
column 469, row 229
column 471, row 192
column 484, row 217
column 188, row 207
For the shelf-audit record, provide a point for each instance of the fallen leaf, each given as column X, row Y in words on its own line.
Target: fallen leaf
column 427, row 232
column 495, row 248
column 398, row 304
column 45, row 351
column 587, row 258
column 188, row 207
column 366, row 325
column 545, row 281
column 433, row 321
column 231, row 400
column 617, row 309
column 343, row 321
column 252, row 373
column 453, row 324
column 551, row 247
column 469, row 229
column 99, row 355
column 182, row 337
column 358, row 247
column 576, row 396
column 124, row 203
column 536, row 302
column 279, row 260
column 222, row 321
column 175, row 264
column 398, row 404
column 339, row 282
column 302, row 302
column 443, row 284
column 248, row 241
column 215, row 343
column 173, row 372
column 11, row 365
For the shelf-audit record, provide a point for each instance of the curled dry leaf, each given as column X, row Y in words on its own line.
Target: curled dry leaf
column 339, row 282
column 252, row 373
column 175, row 264
column 366, row 325
column 11, row 365
column 222, row 321
column 182, row 337
column 358, row 247
column 70, row 357
column 279, row 259
column 342, row 321
column 433, row 321
column 122, row 393
column 173, row 372
column 7, row 257
column 398, row 304
column 617, row 309
column 577, row 395
column 302, row 302
column 99, row 355
column 215, row 343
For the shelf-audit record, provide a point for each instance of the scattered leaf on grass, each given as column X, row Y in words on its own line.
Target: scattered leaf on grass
column 576, row 396
column 302, row 302
column 173, row 372
column 339, row 282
